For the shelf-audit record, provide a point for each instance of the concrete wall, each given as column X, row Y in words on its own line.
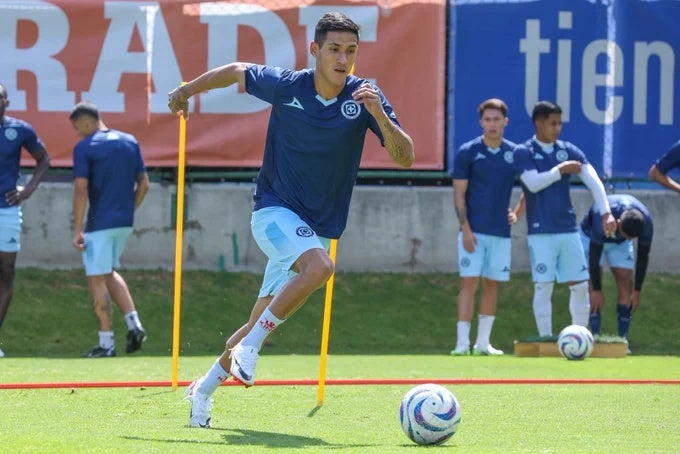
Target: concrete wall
column 391, row 228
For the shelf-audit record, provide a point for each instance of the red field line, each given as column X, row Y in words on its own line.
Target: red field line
column 356, row 381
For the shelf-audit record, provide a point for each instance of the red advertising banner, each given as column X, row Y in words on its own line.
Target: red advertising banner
column 125, row 56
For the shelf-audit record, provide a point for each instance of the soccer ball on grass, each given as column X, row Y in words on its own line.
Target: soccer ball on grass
column 575, row 342
column 429, row 414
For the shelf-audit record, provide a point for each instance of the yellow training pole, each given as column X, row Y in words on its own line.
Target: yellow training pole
column 328, row 303
column 326, row 327
column 179, row 233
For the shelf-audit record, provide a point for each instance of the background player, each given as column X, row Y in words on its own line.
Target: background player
column 483, row 178
column 659, row 170
column 633, row 221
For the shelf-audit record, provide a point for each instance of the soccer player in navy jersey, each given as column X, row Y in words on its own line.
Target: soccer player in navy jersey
column 555, row 248
column 483, row 177
column 315, row 138
column 109, row 173
column 659, row 170
column 15, row 135
column 633, row 221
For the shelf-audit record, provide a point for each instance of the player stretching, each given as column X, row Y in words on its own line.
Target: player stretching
column 555, row 249
column 315, row 138
column 659, row 170
column 633, row 221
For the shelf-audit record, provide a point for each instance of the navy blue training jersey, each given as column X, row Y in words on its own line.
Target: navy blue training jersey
column 111, row 161
column 592, row 222
column 670, row 160
column 15, row 134
column 490, row 174
column 313, row 146
column 549, row 210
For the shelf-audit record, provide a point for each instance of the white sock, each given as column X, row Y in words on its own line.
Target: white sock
column 106, row 339
column 484, row 325
column 132, row 320
column 542, row 306
column 463, row 335
column 213, row 379
column 264, row 325
column 579, row 303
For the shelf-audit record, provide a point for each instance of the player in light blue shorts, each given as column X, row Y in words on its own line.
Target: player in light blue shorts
column 103, row 249
column 314, row 141
column 15, row 136
column 555, row 248
column 634, row 221
column 283, row 237
column 483, row 178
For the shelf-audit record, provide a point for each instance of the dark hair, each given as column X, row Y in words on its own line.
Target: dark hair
column 493, row 103
column 84, row 108
column 632, row 223
column 334, row 22
column 543, row 109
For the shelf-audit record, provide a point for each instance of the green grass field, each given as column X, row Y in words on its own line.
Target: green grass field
column 496, row 418
column 384, row 326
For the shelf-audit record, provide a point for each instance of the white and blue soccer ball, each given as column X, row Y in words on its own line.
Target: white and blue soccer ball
column 429, row 414
column 575, row 342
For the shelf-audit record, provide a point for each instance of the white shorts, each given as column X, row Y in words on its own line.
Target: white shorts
column 103, row 249
column 557, row 256
column 490, row 259
column 621, row 255
column 283, row 237
column 10, row 229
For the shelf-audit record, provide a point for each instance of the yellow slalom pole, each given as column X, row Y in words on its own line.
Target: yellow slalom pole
column 179, row 234
column 328, row 303
column 325, row 333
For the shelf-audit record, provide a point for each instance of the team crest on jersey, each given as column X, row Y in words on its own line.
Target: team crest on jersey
column 561, row 155
column 11, row 133
column 350, row 109
column 304, row 231
column 509, row 157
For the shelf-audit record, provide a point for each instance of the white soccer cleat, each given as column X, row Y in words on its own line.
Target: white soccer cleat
column 200, row 406
column 488, row 351
column 243, row 362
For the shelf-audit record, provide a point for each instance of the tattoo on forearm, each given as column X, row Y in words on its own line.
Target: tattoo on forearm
column 462, row 215
column 396, row 144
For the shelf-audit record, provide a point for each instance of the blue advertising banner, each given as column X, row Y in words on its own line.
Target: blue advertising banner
column 610, row 65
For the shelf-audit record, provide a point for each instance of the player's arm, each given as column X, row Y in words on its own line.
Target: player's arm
column 460, row 205
column 520, row 207
column 141, row 188
column 596, row 296
column 536, row 181
column 641, row 262
column 223, row 76
column 79, row 204
column 664, row 180
column 42, row 164
column 592, row 181
column 399, row 145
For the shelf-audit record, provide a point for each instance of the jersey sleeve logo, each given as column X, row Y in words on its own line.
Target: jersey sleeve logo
column 350, row 109
column 11, row 133
column 561, row 155
column 294, row 103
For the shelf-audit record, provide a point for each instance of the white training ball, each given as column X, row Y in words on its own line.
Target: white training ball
column 429, row 414
column 575, row 342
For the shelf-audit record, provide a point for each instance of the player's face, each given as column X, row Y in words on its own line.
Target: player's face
column 493, row 123
column 548, row 129
column 84, row 125
column 335, row 58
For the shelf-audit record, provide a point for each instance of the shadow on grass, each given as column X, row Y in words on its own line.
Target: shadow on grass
column 243, row 437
